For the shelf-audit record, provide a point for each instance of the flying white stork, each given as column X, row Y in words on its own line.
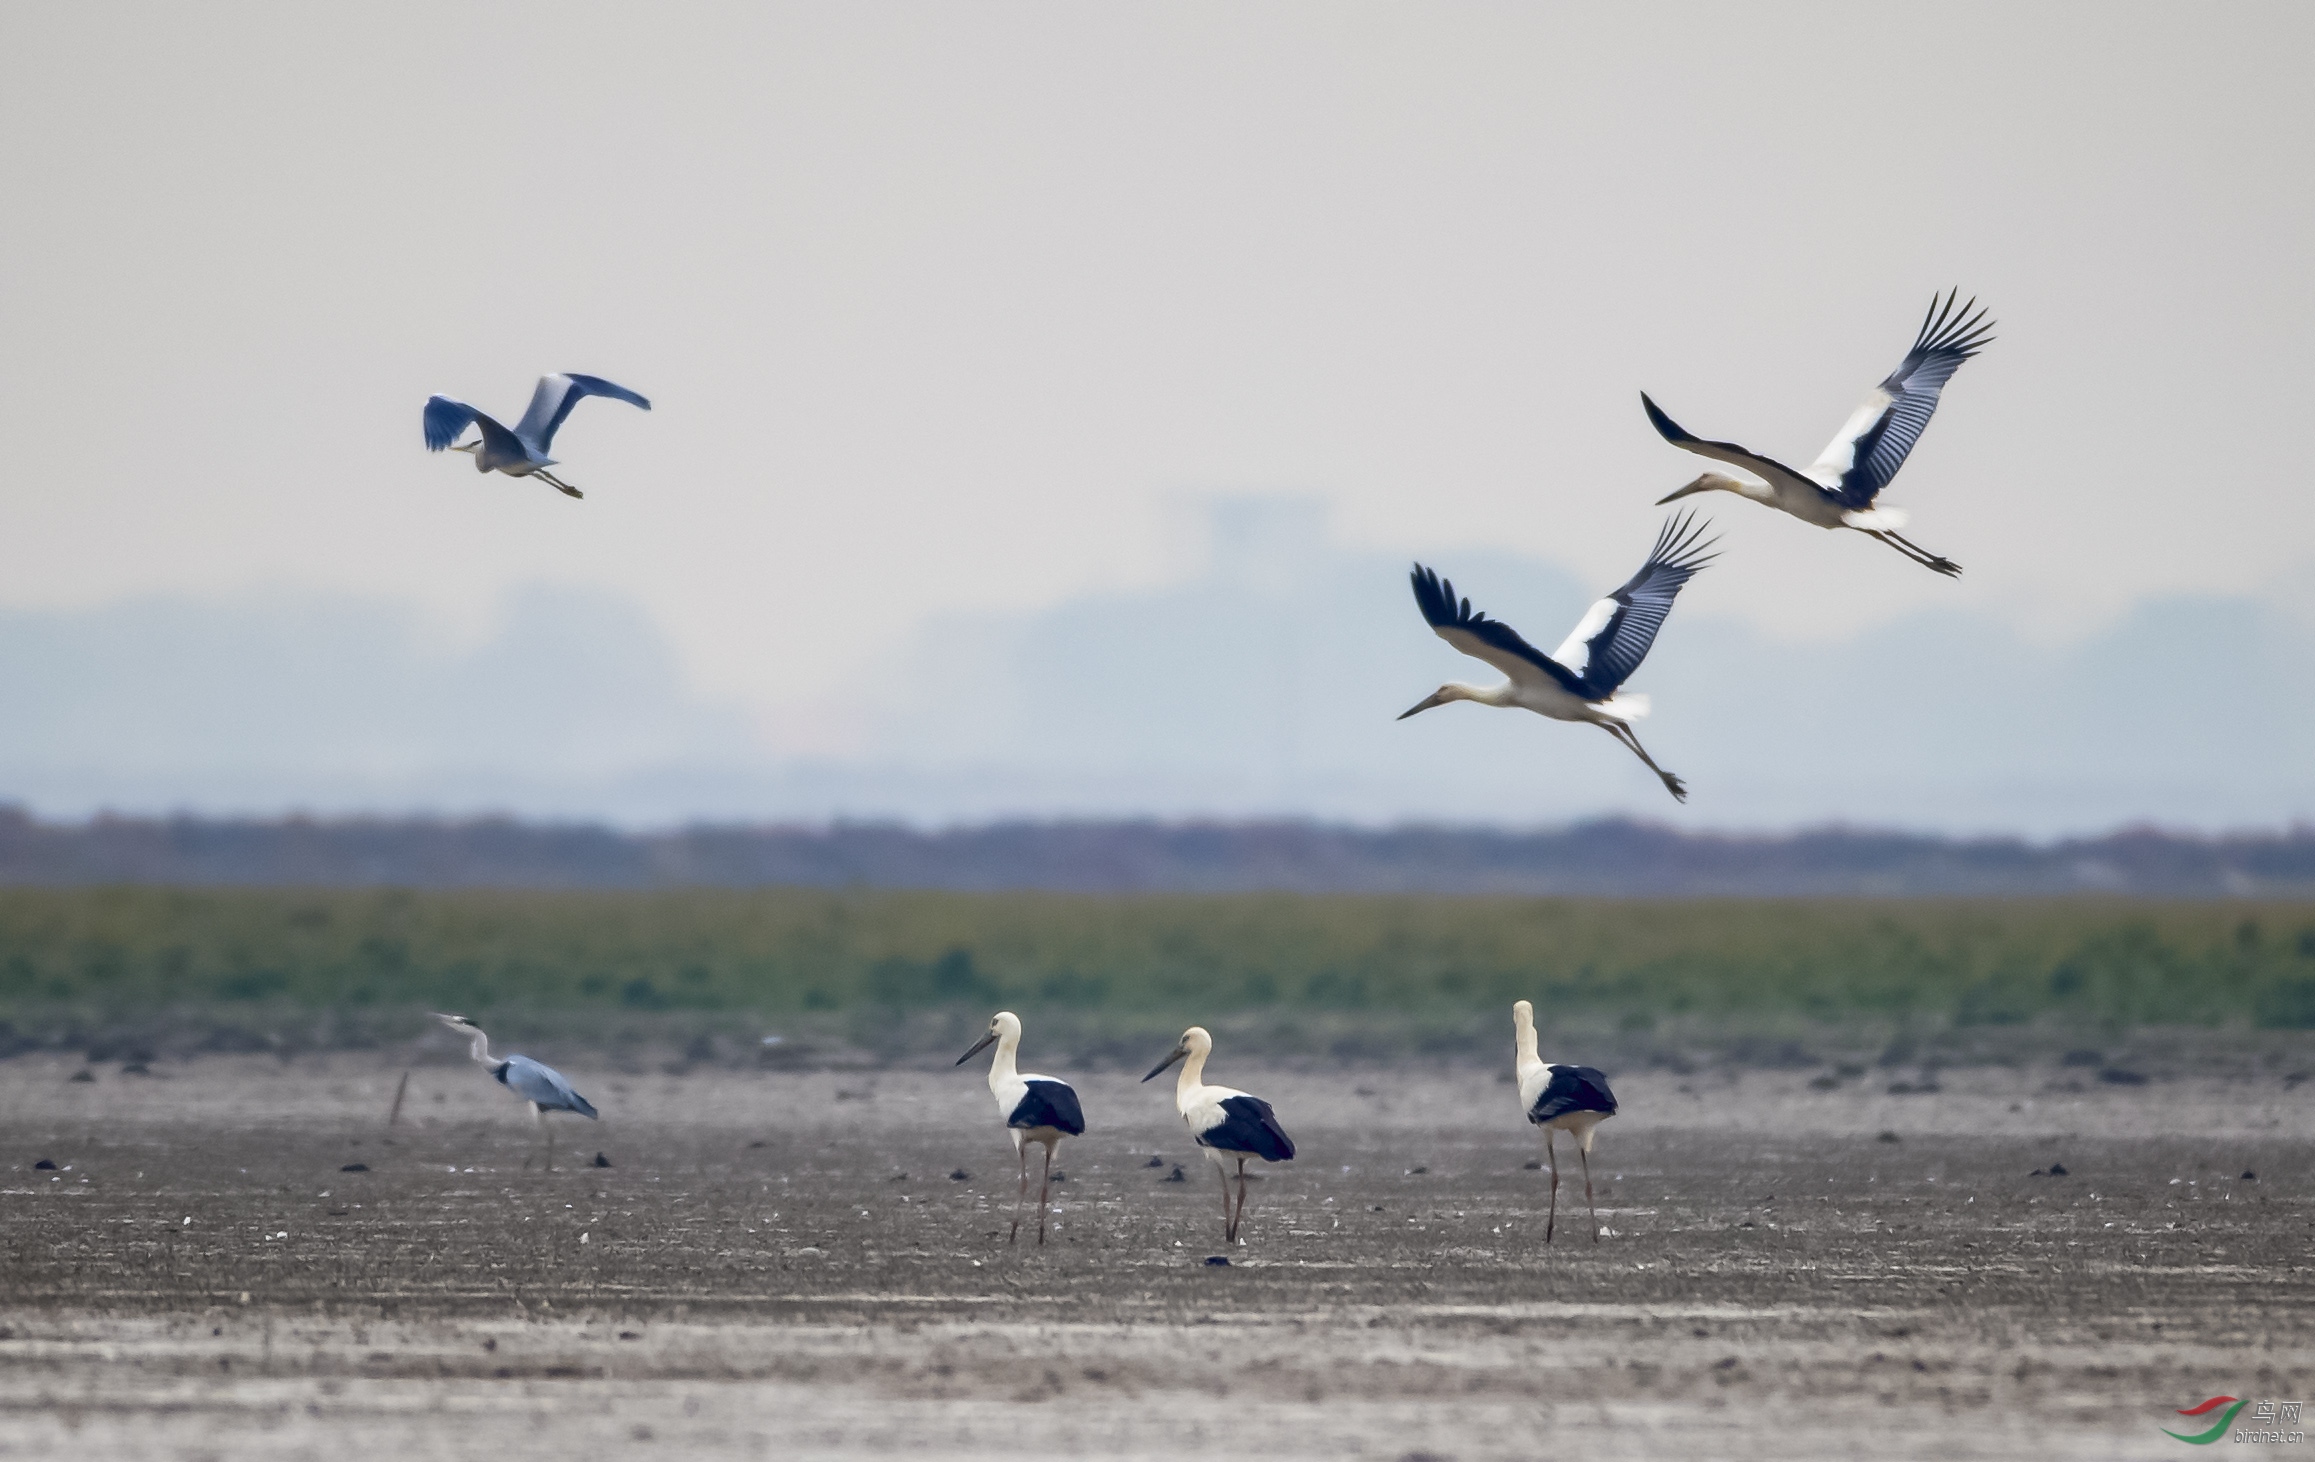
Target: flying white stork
column 1035, row 1108
column 545, row 1088
column 1232, row 1127
column 1578, row 681
column 1838, row 489
column 1557, row 1098
column 523, row 451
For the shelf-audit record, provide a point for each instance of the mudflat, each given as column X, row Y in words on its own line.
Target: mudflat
column 814, row 1264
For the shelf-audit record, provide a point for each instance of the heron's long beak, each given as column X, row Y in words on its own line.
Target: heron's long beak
column 978, row 1046
column 1437, row 698
column 466, row 446
column 1155, row 1071
column 1699, row 485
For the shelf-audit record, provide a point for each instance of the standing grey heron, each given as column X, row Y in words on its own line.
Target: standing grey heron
column 523, row 451
column 1231, row 1127
column 1838, row 489
column 541, row 1085
column 1579, row 680
column 1036, row 1109
column 1559, row 1098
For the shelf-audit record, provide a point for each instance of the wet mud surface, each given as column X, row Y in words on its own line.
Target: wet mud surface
column 789, row 1264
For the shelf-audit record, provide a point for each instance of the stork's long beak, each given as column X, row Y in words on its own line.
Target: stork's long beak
column 1436, row 698
column 1699, row 485
column 978, row 1046
column 1179, row 1053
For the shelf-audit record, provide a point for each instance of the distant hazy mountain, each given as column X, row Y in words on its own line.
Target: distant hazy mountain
column 1265, row 686
column 1603, row 858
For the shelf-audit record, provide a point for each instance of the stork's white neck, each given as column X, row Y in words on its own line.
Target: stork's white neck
column 1527, row 1060
column 1505, row 694
column 1002, row 1072
column 1192, row 1078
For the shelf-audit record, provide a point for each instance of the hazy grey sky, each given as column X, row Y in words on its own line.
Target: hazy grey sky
column 949, row 308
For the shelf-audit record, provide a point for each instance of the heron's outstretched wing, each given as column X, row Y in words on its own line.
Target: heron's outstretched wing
column 555, row 397
column 1482, row 638
column 1875, row 441
column 536, row 1082
column 1613, row 637
column 1769, row 469
column 446, row 419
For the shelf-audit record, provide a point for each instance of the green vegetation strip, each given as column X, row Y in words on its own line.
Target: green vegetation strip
column 113, row 952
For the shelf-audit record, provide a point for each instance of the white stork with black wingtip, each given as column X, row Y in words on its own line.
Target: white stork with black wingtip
column 1558, row 1098
column 1838, row 489
column 521, row 452
column 1231, row 1127
column 1578, row 681
column 1037, row 1109
column 541, row 1085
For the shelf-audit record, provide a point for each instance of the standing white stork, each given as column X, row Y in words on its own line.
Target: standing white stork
column 1570, row 1099
column 1578, row 681
column 545, row 1088
column 1231, row 1126
column 1035, row 1108
column 1838, row 489
column 523, row 451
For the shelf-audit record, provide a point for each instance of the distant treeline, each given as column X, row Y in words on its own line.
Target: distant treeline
column 1614, row 858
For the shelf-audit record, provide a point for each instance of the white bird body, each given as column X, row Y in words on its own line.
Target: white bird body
column 1231, row 1127
column 1840, row 488
column 1035, row 1109
column 522, row 451
column 1582, row 680
column 1559, row 1097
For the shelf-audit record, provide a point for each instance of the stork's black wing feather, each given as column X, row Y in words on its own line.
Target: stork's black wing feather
column 1049, row 1103
column 1573, row 1089
column 1249, row 1125
column 1442, row 611
column 1871, row 447
column 1642, row 604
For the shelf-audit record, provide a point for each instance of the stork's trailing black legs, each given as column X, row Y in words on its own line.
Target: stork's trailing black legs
column 1044, row 1194
column 1937, row 561
column 1551, row 1161
column 1917, row 553
column 1672, row 784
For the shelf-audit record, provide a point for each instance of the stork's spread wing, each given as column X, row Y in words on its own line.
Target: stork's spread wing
column 1768, row 469
column 1482, row 638
column 1614, row 636
column 555, row 397
column 1874, row 443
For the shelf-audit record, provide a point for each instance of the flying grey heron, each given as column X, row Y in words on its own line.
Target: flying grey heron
column 1579, row 680
column 1558, row 1098
column 1035, row 1109
column 1231, row 1127
column 541, row 1085
column 1838, row 489
column 523, row 451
